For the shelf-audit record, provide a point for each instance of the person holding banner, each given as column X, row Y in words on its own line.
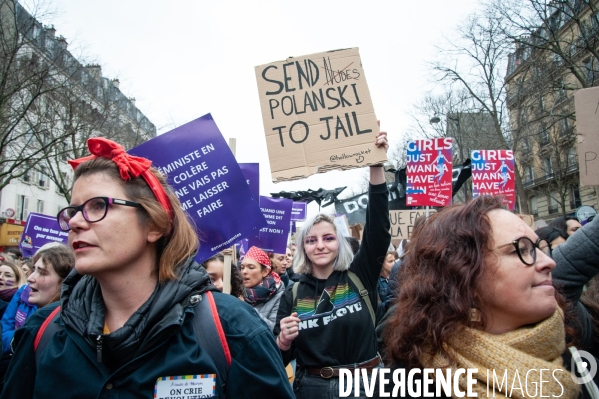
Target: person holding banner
column 263, row 286
column 476, row 293
column 326, row 319
column 125, row 327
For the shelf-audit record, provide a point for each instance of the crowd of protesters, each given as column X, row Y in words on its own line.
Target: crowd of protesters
column 125, row 311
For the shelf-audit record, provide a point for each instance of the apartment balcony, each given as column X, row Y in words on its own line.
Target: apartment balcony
column 552, row 209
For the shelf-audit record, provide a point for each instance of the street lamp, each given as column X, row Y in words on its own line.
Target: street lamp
column 435, row 119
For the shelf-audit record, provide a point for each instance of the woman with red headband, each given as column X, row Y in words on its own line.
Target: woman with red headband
column 127, row 314
column 263, row 287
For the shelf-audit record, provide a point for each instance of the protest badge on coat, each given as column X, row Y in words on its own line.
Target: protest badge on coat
column 277, row 212
column 208, row 182
column 298, row 211
column 317, row 114
column 39, row 230
column 251, row 172
column 493, row 174
column 429, row 172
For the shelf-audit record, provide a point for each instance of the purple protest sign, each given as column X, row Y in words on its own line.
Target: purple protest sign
column 277, row 212
column 39, row 230
column 251, row 172
column 298, row 211
column 207, row 180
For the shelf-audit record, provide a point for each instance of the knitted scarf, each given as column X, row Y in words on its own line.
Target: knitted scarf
column 7, row 294
column 527, row 348
column 263, row 291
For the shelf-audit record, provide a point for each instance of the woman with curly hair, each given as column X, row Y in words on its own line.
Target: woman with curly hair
column 476, row 293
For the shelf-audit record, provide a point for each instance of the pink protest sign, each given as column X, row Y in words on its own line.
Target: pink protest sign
column 493, row 174
column 429, row 172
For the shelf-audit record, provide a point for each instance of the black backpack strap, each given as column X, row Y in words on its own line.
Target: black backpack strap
column 363, row 293
column 45, row 333
column 210, row 334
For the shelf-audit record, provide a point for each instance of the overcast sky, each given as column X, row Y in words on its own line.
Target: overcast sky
column 183, row 59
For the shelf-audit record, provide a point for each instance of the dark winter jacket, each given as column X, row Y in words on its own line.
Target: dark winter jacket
column 157, row 341
column 336, row 327
column 577, row 262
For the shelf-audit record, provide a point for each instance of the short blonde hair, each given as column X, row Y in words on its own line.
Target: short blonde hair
column 303, row 265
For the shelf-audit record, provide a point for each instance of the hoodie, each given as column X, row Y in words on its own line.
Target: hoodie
column 336, row 328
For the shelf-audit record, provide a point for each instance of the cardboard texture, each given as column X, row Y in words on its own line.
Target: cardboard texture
column 317, row 114
column 586, row 103
column 402, row 222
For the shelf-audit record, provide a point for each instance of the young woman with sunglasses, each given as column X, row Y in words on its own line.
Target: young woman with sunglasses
column 476, row 293
column 128, row 311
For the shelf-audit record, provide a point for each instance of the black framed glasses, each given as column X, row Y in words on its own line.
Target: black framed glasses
column 527, row 250
column 93, row 210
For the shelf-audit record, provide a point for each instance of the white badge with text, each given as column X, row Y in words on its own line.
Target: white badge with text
column 186, row 387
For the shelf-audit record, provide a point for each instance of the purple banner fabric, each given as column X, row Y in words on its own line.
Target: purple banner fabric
column 277, row 212
column 298, row 211
column 251, row 172
column 208, row 181
column 39, row 230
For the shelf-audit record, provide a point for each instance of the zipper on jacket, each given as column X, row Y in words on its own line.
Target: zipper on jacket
column 99, row 348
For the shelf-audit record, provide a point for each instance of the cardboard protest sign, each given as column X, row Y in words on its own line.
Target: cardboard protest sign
column 402, row 222
column 586, row 103
column 429, row 172
column 317, row 114
column 277, row 212
column 208, row 181
column 493, row 174
column 39, row 230
column 251, row 172
column 298, row 211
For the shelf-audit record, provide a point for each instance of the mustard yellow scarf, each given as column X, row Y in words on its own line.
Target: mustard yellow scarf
column 516, row 352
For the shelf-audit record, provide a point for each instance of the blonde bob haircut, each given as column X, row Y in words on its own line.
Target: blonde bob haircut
column 303, row 265
column 178, row 241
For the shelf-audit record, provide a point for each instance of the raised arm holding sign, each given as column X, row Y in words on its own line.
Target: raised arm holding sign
column 315, row 316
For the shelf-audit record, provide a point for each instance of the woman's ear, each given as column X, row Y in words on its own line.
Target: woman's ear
column 265, row 271
column 154, row 235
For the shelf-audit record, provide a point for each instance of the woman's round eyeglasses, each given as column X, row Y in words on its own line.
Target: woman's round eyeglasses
column 527, row 250
column 93, row 210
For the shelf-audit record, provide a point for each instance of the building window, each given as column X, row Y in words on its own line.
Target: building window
column 528, row 173
column 564, row 126
column 42, row 178
column 574, row 197
column 589, row 71
column 22, row 210
column 553, row 204
column 534, row 208
column 40, row 206
column 543, row 136
column 526, row 145
column 572, row 157
column 548, row 166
